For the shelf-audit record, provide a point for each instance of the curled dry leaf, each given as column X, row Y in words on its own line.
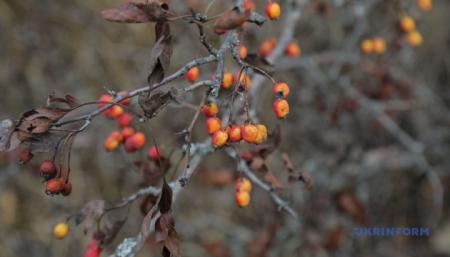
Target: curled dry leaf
column 152, row 104
column 165, row 202
column 161, row 53
column 139, row 12
column 53, row 101
column 231, row 19
column 37, row 121
column 89, row 214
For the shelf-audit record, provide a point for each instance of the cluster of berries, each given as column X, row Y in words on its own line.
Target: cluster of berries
column 375, row 45
column 55, row 184
column 131, row 139
column 250, row 133
column 408, row 26
column 281, row 105
column 292, row 49
column 243, row 188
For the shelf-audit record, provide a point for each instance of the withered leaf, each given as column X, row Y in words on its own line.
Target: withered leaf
column 165, row 232
column 161, row 53
column 231, row 19
column 90, row 213
column 139, row 12
column 37, row 121
column 69, row 100
column 153, row 104
column 165, row 202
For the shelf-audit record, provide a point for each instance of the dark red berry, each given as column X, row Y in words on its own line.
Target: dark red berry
column 67, row 189
column 25, row 156
column 48, row 169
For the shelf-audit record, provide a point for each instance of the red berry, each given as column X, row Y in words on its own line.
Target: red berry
column 125, row 120
column 67, row 189
column 54, row 186
column 93, row 249
column 154, row 153
column 25, row 156
column 48, row 169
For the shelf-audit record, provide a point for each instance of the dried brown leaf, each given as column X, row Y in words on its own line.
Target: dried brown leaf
column 165, row 202
column 231, row 19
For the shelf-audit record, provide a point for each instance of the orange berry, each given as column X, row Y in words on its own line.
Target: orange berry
column 425, row 5
column 267, row 46
column 273, row 10
column 125, row 101
column 138, row 140
column 367, row 46
column 407, row 24
column 213, row 124
column 243, row 185
column 414, row 38
column 379, row 45
column 47, row 169
column 193, row 74
column 61, row 230
column 210, row 109
column 154, row 153
column 249, row 133
column 125, row 120
column 127, row 132
column 262, row 134
column 219, row 138
column 281, row 89
column 243, row 52
column 242, row 199
column 228, row 80
column 114, row 112
column 293, row 50
column 54, row 186
column 111, row 144
column 25, row 156
column 281, row 108
column 234, row 133
column 104, row 99
column 117, row 136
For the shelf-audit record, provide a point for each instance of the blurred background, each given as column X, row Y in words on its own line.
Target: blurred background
column 363, row 175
